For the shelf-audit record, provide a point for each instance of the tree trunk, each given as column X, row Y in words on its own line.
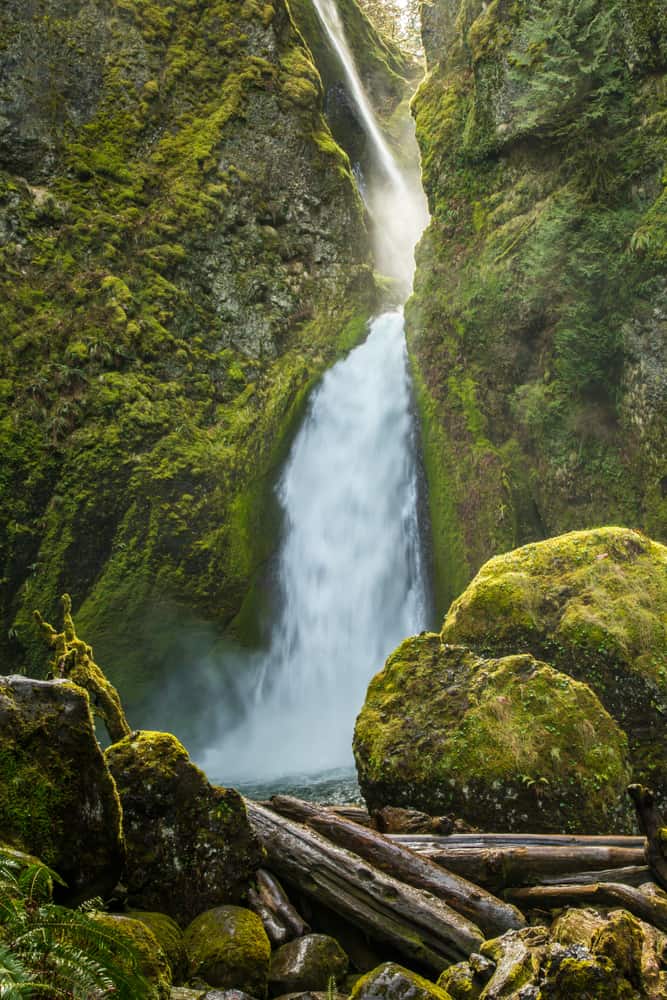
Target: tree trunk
column 653, row 825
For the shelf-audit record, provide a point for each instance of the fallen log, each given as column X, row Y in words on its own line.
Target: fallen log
column 652, row 824
column 650, row 909
column 479, row 840
column 635, row 875
column 503, row 867
column 493, row 915
column 274, row 897
column 275, row 929
column 415, row 923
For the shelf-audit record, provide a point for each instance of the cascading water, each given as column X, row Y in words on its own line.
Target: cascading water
column 350, row 572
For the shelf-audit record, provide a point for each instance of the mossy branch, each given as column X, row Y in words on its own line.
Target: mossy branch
column 73, row 659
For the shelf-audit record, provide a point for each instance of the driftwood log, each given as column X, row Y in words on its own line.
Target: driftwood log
column 269, row 901
column 500, row 867
column 488, row 912
column 415, row 923
column 652, row 824
column 649, row 908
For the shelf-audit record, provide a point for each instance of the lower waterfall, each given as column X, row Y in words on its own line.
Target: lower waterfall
column 351, row 575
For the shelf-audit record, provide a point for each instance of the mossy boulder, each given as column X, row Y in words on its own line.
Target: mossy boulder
column 507, row 743
column 145, row 950
column 308, row 963
column 228, row 947
column 393, row 982
column 189, row 844
column 170, row 939
column 593, row 604
column 57, row 798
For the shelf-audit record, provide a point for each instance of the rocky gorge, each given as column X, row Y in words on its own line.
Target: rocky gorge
column 188, row 227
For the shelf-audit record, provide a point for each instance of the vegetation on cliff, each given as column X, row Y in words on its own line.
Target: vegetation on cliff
column 171, row 289
column 537, row 329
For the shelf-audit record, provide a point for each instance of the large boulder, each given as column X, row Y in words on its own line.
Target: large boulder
column 170, row 938
column 308, row 963
column 228, row 947
column 508, row 743
column 594, row 605
column 57, row 798
column 189, row 844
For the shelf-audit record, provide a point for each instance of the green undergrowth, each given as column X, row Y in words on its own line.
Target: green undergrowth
column 540, row 297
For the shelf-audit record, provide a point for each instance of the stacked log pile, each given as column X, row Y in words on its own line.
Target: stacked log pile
column 434, row 899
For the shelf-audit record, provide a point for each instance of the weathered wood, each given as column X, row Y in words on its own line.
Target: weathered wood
column 415, row 923
column 275, row 929
column 274, row 897
column 634, row 875
column 651, row 909
column 479, row 840
column 493, row 915
column 652, row 824
column 356, row 814
column 392, row 819
column 502, row 867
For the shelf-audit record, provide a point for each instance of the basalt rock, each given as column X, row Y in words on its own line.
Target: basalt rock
column 394, row 982
column 57, row 798
column 507, row 743
column 189, row 844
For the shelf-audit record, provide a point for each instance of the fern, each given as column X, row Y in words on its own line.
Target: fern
column 53, row 952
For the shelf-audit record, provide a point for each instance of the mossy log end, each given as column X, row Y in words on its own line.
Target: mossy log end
column 73, row 659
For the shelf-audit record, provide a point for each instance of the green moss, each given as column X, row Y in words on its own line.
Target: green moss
column 508, row 743
column 228, row 947
column 392, row 980
column 151, row 959
column 594, row 604
column 169, row 937
column 538, row 278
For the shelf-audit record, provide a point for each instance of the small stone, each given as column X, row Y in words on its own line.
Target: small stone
column 393, row 982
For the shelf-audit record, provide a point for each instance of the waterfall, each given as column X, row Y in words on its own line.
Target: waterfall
column 350, row 572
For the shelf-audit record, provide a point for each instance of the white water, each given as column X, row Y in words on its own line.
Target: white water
column 350, row 572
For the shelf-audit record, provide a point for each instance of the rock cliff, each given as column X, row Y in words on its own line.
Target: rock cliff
column 538, row 325
column 183, row 251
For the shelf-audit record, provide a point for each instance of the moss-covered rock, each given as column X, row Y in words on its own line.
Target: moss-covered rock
column 170, row 938
column 308, row 963
column 228, row 947
column 145, row 950
column 594, row 605
column 169, row 294
column 507, row 744
column 57, row 798
column 189, row 844
column 537, row 327
column 393, row 982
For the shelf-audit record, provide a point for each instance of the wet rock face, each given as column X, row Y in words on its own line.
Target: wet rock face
column 507, row 743
column 228, row 947
column 393, row 982
column 57, row 798
column 593, row 604
column 189, row 844
column 308, row 963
